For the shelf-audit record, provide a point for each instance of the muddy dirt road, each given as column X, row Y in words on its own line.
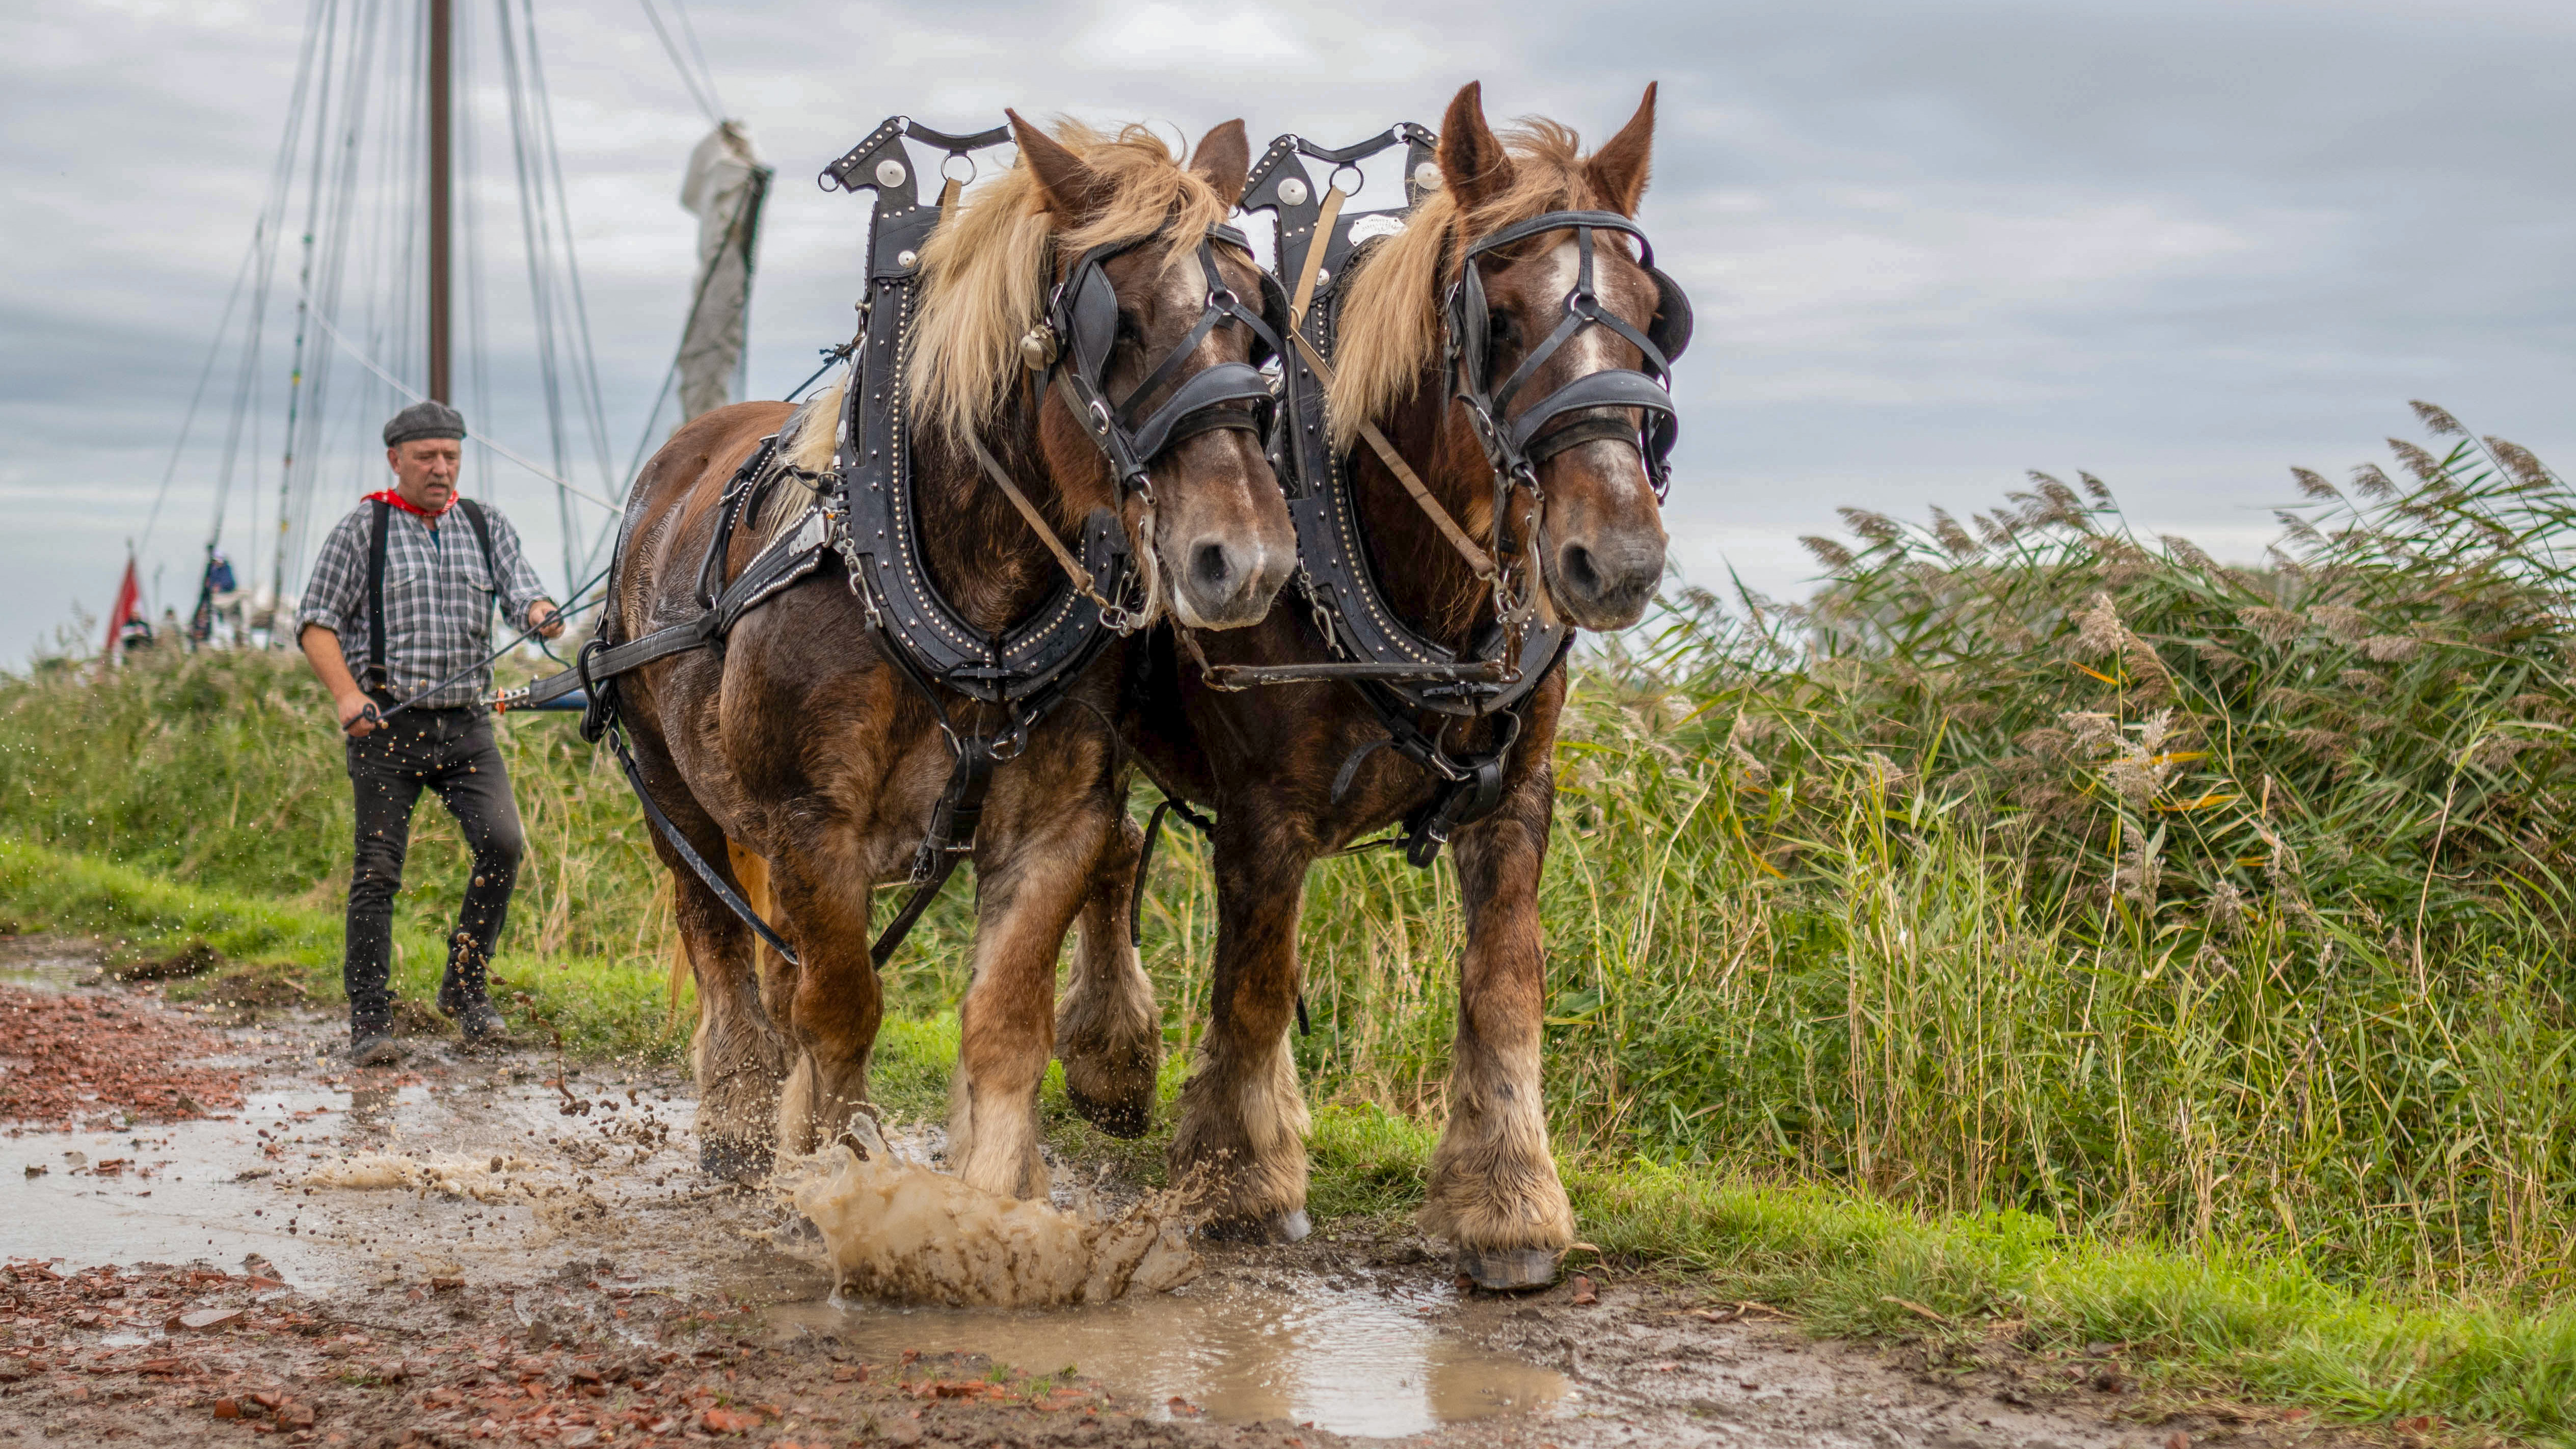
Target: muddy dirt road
column 215, row 1231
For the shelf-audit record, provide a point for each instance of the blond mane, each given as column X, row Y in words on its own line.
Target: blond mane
column 986, row 272
column 1390, row 308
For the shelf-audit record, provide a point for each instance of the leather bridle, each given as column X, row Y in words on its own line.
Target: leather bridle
column 1075, row 344
column 1516, row 445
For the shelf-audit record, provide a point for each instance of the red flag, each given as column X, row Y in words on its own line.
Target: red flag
column 129, row 595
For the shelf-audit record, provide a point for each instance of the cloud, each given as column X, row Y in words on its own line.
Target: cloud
column 1160, row 37
column 2184, row 244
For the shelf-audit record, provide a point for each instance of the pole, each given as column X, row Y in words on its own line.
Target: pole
column 442, row 128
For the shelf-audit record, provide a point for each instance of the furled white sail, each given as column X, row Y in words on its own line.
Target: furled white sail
column 725, row 188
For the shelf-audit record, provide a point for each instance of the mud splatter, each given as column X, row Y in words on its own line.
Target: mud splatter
column 484, row 1179
column 895, row 1228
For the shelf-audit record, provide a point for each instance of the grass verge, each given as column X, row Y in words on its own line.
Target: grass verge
column 602, row 1008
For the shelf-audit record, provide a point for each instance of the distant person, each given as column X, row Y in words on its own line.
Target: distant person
column 400, row 587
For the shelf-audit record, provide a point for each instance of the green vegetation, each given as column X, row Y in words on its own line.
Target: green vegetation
column 2043, row 922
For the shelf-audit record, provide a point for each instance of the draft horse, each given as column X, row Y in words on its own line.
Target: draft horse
column 801, row 761
column 1544, row 394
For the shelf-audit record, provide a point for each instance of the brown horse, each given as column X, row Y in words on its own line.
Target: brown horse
column 797, row 744
column 1267, row 759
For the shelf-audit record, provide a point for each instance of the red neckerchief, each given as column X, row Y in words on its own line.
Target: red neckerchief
column 406, row 505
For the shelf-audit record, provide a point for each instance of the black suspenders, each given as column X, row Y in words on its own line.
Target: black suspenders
column 374, row 676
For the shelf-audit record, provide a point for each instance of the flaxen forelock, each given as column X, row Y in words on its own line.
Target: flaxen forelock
column 986, row 272
column 1390, row 329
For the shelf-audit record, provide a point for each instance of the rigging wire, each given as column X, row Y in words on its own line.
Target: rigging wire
column 357, row 104
column 536, row 239
column 359, row 356
column 206, row 374
column 706, row 72
column 320, row 30
column 703, row 95
column 585, row 354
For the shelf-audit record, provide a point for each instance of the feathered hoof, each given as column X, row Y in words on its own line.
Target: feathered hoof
column 1118, row 1119
column 1509, row 1270
column 734, row 1159
column 1278, row 1228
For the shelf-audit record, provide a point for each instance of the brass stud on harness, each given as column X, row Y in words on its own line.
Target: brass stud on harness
column 1038, row 349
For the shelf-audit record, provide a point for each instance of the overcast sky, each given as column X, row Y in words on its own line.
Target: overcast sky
column 2183, row 245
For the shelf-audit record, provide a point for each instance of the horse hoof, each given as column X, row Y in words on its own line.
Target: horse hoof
column 1118, row 1119
column 1508, row 1270
column 734, row 1160
column 1278, row 1228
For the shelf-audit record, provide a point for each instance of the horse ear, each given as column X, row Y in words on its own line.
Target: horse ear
column 1473, row 164
column 1073, row 191
column 1224, row 161
column 1619, row 169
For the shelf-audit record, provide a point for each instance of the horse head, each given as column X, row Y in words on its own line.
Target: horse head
column 1157, row 322
column 1561, row 331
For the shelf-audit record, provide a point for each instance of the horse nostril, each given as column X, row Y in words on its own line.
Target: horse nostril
column 1211, row 567
column 1575, row 566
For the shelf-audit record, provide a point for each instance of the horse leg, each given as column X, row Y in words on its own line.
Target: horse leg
column 738, row 1054
column 1241, row 1136
column 1108, row 1033
column 1494, row 1192
column 837, row 1001
column 1026, row 897
column 777, row 978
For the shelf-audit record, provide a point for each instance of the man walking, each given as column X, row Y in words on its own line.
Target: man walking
column 404, row 587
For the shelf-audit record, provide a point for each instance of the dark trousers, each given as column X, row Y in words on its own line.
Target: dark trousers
column 449, row 751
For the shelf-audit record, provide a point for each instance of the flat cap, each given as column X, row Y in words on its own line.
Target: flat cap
column 424, row 420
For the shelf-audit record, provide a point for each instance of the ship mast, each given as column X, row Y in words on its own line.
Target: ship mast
column 442, row 132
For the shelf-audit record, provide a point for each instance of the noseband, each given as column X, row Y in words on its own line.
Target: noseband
column 1515, row 446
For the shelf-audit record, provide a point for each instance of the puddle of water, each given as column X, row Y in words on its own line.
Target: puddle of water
column 1351, row 1360
column 189, row 1208
column 30, row 965
column 221, row 1189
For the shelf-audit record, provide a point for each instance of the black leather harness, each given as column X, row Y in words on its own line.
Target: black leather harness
column 1400, row 672
column 866, row 511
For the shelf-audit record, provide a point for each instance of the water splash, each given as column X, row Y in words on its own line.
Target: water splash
column 895, row 1228
column 484, row 1179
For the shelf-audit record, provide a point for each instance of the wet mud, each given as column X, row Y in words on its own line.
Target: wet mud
column 480, row 1249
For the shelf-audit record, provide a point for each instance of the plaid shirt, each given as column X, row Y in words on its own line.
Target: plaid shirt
column 438, row 599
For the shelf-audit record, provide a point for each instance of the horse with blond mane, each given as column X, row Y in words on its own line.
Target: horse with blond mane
column 802, row 764
column 1570, row 308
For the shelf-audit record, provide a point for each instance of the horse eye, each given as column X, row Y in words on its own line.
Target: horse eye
column 1501, row 331
column 1130, row 328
